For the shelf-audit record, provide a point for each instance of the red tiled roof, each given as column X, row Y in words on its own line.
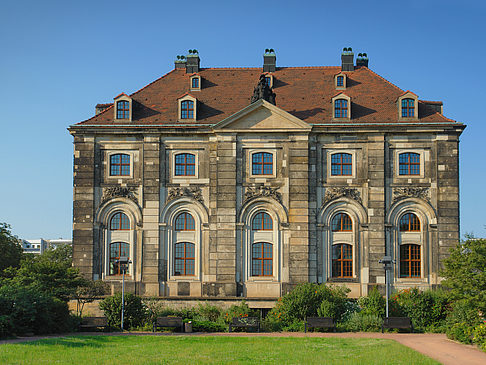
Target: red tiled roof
column 304, row 92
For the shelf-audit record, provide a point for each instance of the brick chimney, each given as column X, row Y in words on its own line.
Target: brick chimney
column 269, row 60
column 362, row 60
column 192, row 64
column 347, row 59
column 180, row 62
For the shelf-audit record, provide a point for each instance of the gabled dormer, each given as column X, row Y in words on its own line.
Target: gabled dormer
column 195, row 82
column 340, row 81
column 187, row 110
column 341, row 107
column 407, row 106
column 123, row 108
column 269, row 79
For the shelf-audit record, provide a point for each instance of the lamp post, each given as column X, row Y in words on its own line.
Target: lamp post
column 123, row 261
column 387, row 265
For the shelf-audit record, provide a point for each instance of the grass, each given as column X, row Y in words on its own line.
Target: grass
column 209, row 350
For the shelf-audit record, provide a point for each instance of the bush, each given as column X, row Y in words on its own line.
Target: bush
column 135, row 312
column 374, row 304
column 479, row 334
column 361, row 322
column 241, row 310
column 207, row 326
column 28, row 310
column 208, row 311
column 428, row 309
column 462, row 320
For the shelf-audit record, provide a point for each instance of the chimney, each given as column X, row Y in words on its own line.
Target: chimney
column 362, row 60
column 269, row 60
column 347, row 59
column 192, row 65
column 180, row 62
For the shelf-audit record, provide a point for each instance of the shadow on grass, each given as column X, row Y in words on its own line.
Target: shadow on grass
column 78, row 341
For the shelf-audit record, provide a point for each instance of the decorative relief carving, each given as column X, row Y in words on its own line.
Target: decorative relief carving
column 410, row 192
column 191, row 192
column 333, row 193
column 267, row 191
column 119, row 192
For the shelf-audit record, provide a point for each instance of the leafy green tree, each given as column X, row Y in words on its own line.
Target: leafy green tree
column 88, row 293
column 10, row 248
column 465, row 272
column 51, row 272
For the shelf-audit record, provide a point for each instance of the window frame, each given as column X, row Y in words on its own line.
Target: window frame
column 342, row 261
column 341, row 224
column 185, row 259
column 183, row 99
column 183, row 178
column 262, row 163
column 185, row 164
column 410, row 224
column 121, row 164
column 344, row 79
column 421, row 152
column 185, row 229
column 114, row 258
column 262, row 226
column 127, row 115
column 262, row 259
column 341, row 97
column 408, row 95
column 340, row 109
column 410, row 261
column 120, row 222
column 341, row 164
column 198, row 86
column 409, row 164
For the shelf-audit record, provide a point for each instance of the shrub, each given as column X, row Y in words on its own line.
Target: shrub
column 479, row 336
column 462, row 320
column 374, row 304
column 427, row 309
column 207, row 326
column 209, row 311
column 28, row 310
column 240, row 310
column 135, row 312
column 362, row 322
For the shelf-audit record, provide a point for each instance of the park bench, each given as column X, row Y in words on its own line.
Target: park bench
column 93, row 323
column 319, row 322
column 169, row 322
column 397, row 322
column 245, row 322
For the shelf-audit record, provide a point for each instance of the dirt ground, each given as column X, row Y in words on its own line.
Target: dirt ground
column 434, row 345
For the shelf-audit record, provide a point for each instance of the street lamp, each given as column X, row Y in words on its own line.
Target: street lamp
column 387, row 265
column 123, row 261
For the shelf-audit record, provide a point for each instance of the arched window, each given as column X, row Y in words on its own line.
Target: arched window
column 120, row 165
column 262, row 259
column 185, row 164
column 408, row 108
column 342, row 261
column 342, row 223
column 119, row 222
column 184, row 259
column 409, row 163
column 409, row 223
column 341, row 164
column 122, row 110
column 410, row 261
column 262, row 222
column 340, row 81
column 184, row 222
column 187, row 109
column 340, row 108
column 117, row 250
column 262, row 163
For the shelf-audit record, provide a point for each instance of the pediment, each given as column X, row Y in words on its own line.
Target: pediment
column 262, row 116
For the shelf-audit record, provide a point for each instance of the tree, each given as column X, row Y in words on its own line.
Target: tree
column 465, row 272
column 88, row 293
column 10, row 248
column 51, row 272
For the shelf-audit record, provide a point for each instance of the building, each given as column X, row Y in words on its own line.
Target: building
column 38, row 246
column 243, row 182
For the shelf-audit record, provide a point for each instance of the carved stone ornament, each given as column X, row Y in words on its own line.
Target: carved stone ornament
column 191, row 192
column 267, row 191
column 118, row 192
column 410, row 192
column 333, row 193
column 263, row 91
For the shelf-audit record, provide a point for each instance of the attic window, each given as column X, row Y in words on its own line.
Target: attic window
column 340, row 81
column 195, row 83
column 122, row 110
column 408, row 108
column 187, row 109
column 340, row 108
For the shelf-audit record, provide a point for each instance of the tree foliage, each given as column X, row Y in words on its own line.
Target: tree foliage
column 88, row 293
column 10, row 248
column 465, row 272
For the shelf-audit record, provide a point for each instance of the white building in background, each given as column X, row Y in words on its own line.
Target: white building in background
column 38, row 246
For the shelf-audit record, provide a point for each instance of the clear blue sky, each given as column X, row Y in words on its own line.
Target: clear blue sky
column 60, row 58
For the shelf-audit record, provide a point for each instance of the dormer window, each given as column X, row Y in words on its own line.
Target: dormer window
column 196, row 83
column 269, row 80
column 340, row 81
column 340, row 108
column 187, row 108
column 123, row 108
column 408, row 106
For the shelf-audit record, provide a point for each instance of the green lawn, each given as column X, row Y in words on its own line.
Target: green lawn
column 209, row 350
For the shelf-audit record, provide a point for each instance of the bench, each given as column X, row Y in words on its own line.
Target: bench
column 319, row 322
column 245, row 322
column 93, row 322
column 397, row 322
column 169, row 322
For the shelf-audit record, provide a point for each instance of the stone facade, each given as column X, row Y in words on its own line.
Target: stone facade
column 301, row 195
